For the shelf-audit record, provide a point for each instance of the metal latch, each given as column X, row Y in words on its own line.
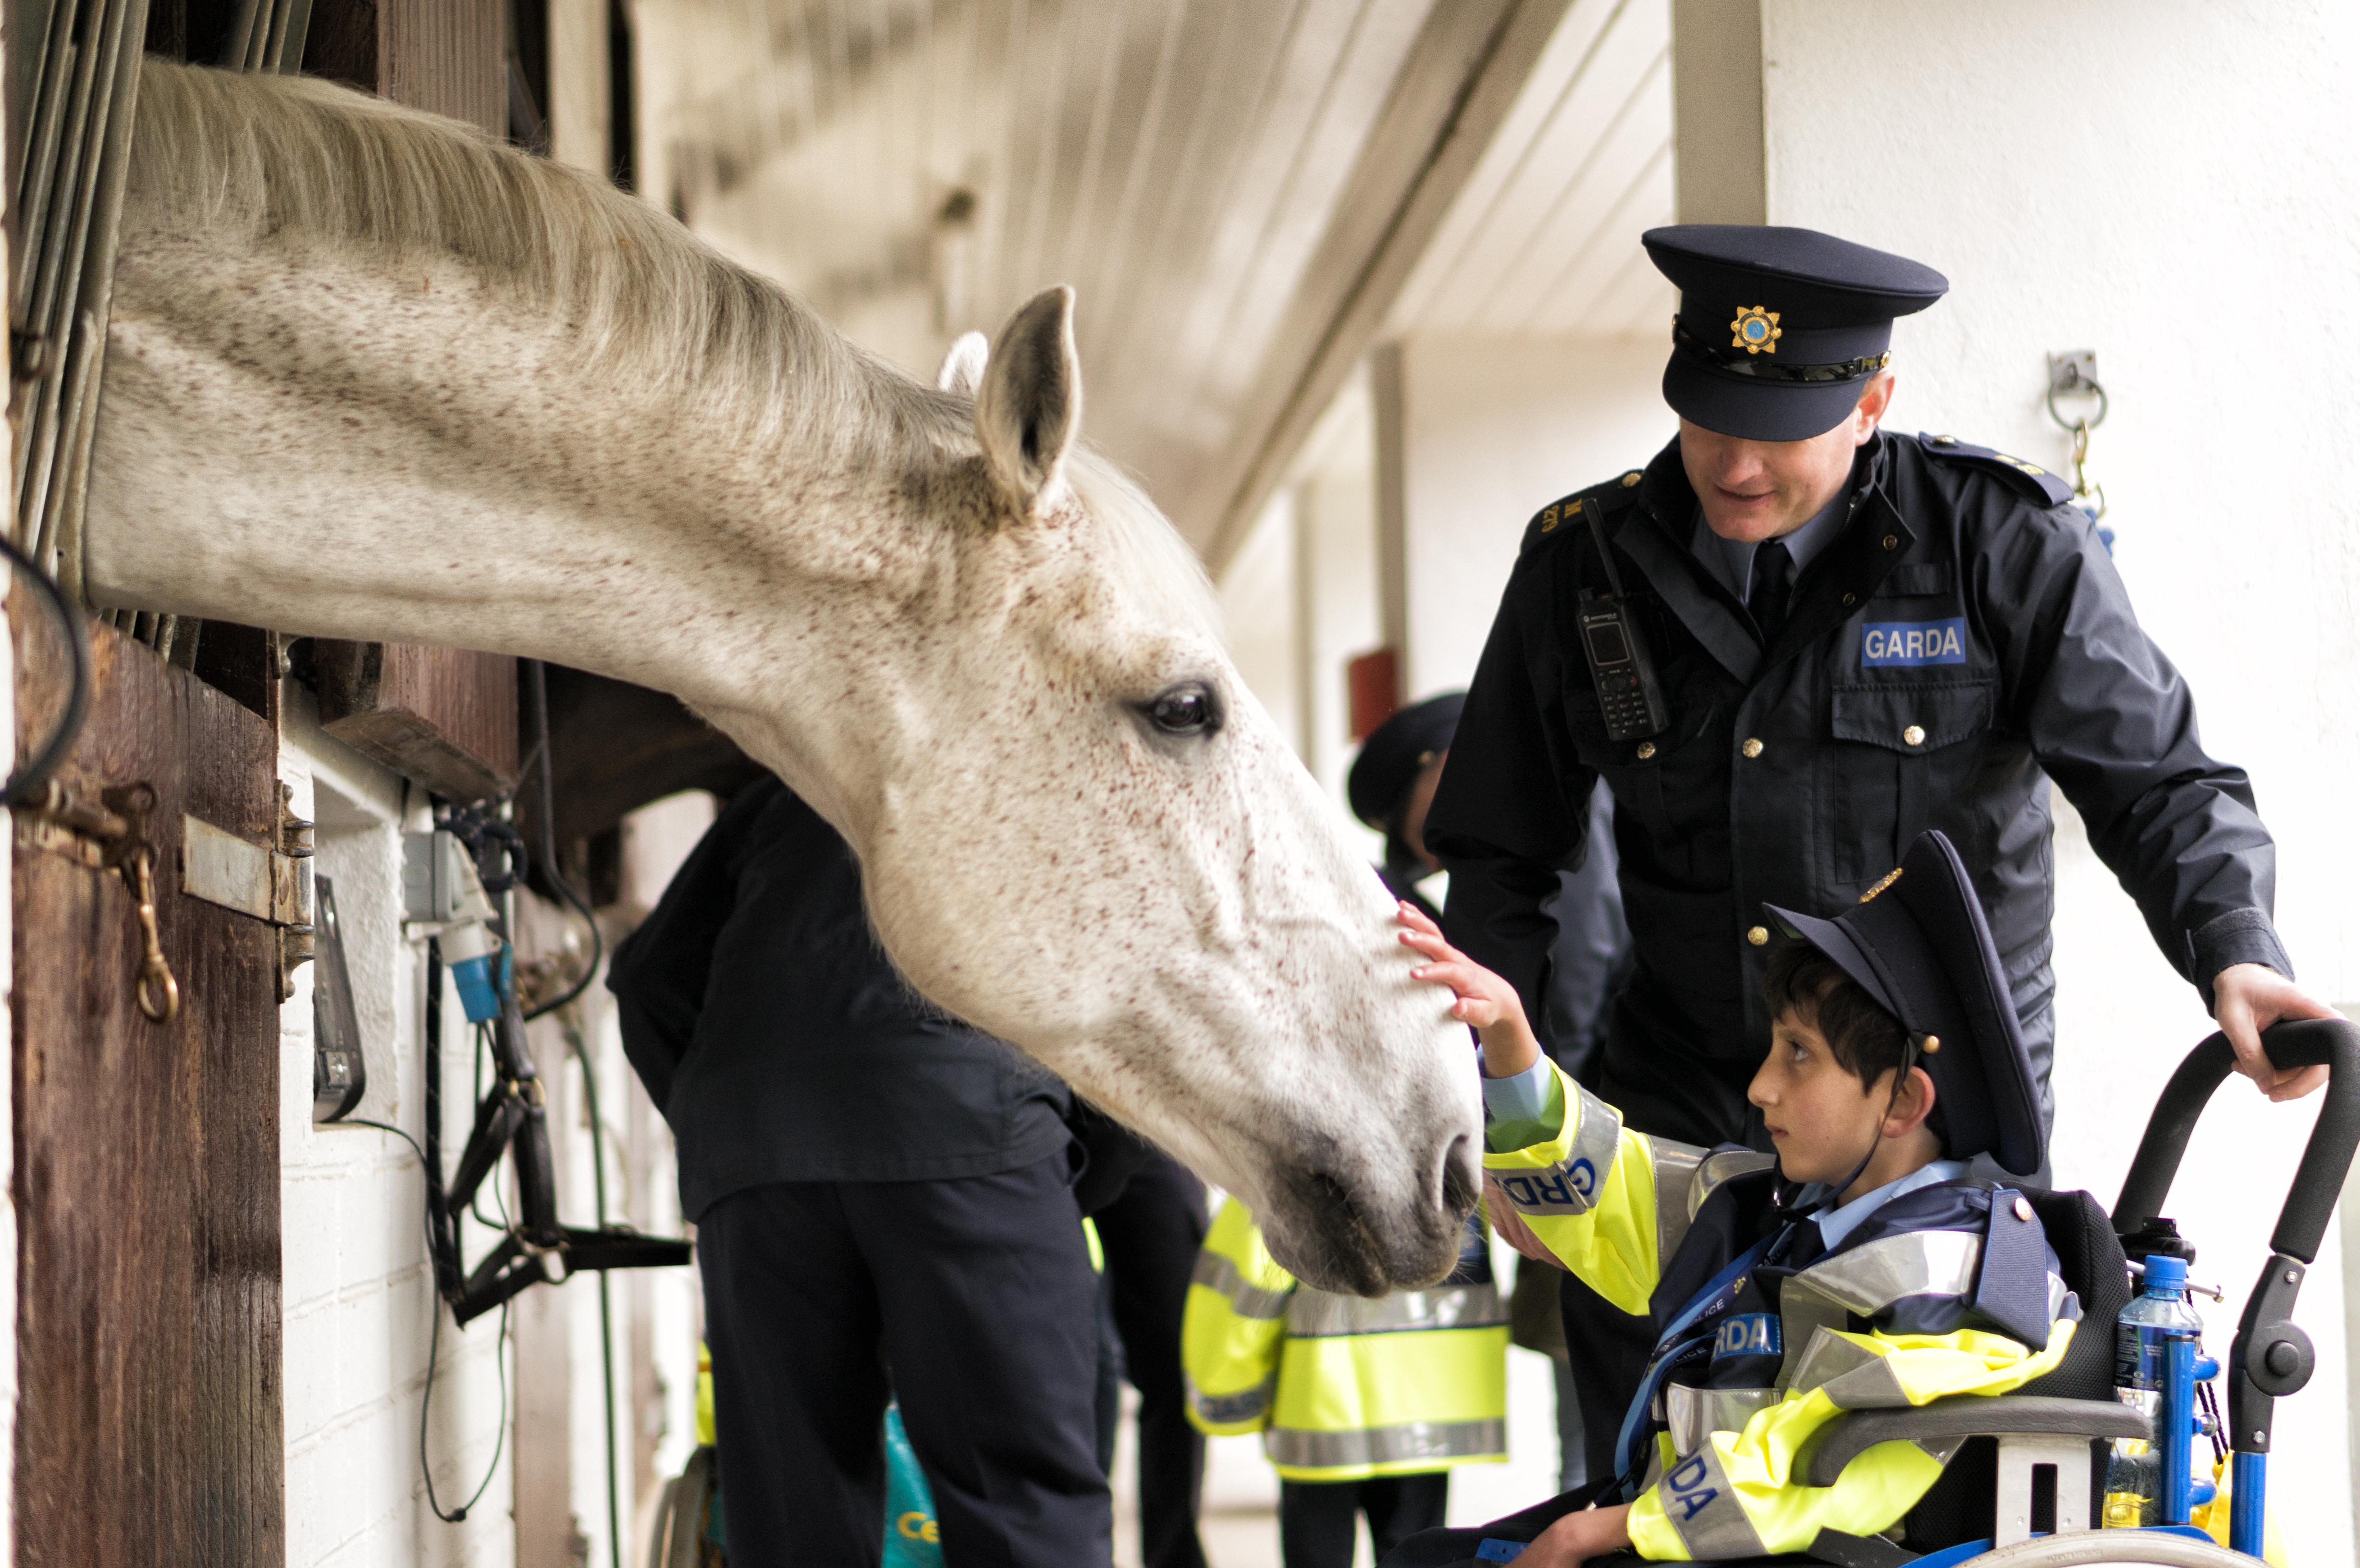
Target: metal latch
column 270, row 883
column 110, row 831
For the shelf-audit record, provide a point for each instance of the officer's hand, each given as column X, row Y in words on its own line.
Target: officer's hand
column 1579, row 1537
column 2248, row 998
column 1483, row 999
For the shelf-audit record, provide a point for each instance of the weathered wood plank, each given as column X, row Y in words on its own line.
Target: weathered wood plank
column 443, row 716
column 150, row 1422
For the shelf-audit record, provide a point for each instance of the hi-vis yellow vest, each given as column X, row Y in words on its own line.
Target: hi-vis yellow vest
column 1614, row 1206
column 1342, row 1387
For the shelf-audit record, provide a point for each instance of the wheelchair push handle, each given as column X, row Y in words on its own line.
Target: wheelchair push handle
column 2334, row 1043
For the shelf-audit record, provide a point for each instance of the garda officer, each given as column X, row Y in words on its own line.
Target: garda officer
column 1830, row 638
column 885, row 1203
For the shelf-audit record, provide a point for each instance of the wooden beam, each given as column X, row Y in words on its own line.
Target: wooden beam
column 1471, row 59
column 1719, row 169
column 445, row 718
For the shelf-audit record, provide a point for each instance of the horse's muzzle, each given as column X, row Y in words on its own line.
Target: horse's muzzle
column 1368, row 1231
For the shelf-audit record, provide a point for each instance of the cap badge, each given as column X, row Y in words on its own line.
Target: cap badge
column 1890, row 879
column 1756, row 330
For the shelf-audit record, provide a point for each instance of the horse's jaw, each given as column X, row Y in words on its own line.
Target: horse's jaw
column 1218, row 967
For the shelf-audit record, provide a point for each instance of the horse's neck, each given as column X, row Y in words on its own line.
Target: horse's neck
column 339, row 452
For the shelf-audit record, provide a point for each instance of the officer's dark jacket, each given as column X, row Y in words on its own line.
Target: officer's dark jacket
column 1963, row 640
column 781, row 1044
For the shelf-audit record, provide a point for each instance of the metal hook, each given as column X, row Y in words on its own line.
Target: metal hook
column 157, row 993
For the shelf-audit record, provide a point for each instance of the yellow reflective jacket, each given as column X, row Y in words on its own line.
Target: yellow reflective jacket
column 1616, row 1206
column 1342, row 1387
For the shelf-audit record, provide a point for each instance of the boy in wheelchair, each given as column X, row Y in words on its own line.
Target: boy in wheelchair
column 1859, row 1268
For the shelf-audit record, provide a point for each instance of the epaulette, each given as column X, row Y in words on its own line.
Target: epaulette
column 2033, row 482
column 1564, row 515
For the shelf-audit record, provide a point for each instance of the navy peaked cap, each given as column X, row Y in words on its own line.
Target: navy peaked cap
column 1778, row 328
column 1920, row 945
column 1395, row 754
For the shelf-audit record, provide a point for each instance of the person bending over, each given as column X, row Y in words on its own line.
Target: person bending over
column 1847, row 1278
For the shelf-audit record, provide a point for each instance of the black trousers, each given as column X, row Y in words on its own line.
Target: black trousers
column 1316, row 1519
column 979, row 1294
column 1152, row 1234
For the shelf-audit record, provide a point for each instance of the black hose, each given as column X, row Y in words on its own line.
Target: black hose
column 24, row 786
column 537, row 684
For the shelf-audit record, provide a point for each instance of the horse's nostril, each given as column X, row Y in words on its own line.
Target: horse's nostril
column 1461, row 1188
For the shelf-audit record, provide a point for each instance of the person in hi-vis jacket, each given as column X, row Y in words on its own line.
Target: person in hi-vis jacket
column 1859, row 1266
column 1364, row 1406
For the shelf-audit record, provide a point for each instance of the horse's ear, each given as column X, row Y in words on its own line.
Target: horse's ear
column 962, row 370
column 1031, row 403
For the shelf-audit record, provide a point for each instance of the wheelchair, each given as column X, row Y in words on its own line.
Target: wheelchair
column 2025, row 1487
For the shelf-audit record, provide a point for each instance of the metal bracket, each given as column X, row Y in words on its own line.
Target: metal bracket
column 271, row 883
column 2075, row 370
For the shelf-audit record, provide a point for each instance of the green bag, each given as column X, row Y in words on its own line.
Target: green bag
column 913, row 1538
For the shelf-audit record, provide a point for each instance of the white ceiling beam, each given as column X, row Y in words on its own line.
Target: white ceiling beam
column 1461, row 77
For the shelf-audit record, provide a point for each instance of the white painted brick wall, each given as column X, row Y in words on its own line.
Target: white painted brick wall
column 358, row 1293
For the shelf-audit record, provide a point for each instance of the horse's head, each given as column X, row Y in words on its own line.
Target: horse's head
column 1100, row 847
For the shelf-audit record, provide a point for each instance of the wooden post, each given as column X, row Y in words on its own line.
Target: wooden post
column 445, row 718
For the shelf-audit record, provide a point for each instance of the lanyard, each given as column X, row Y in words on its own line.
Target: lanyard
column 1672, row 1350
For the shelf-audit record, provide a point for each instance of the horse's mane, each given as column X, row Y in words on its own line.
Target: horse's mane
column 298, row 162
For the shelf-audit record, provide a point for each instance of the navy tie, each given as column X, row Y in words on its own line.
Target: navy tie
column 1765, row 598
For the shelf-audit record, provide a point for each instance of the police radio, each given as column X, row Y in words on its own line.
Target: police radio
column 1620, row 667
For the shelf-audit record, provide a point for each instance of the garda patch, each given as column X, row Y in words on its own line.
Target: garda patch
column 1749, row 1334
column 1890, row 643
column 1570, row 1189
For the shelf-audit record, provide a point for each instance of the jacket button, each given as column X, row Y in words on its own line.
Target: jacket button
column 1892, row 541
column 1759, row 936
column 1632, row 478
column 1647, row 750
column 1850, row 598
column 1751, row 748
column 1913, row 735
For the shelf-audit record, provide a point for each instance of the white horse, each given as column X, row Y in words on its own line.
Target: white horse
column 374, row 375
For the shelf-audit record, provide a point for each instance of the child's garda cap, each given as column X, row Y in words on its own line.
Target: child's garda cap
column 1919, row 944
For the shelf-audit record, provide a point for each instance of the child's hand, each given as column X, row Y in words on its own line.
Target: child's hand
column 1579, row 1537
column 1484, row 1000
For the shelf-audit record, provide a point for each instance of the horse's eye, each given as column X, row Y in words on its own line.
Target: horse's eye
column 1187, row 709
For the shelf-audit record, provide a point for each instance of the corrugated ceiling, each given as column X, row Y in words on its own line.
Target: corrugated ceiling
column 916, row 168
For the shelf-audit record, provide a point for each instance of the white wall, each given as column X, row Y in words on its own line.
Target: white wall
column 2171, row 184
column 357, row 1291
column 1495, row 430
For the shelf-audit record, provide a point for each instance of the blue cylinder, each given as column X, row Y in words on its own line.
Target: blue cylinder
column 2249, row 1476
column 2177, row 1423
column 478, row 992
column 2155, row 1364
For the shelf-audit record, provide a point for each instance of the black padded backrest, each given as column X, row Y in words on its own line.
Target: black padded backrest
column 2089, row 1259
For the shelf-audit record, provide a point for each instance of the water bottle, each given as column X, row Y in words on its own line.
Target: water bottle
column 2154, row 1356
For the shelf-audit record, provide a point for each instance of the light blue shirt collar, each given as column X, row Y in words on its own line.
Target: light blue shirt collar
column 1730, row 562
column 1837, row 1223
